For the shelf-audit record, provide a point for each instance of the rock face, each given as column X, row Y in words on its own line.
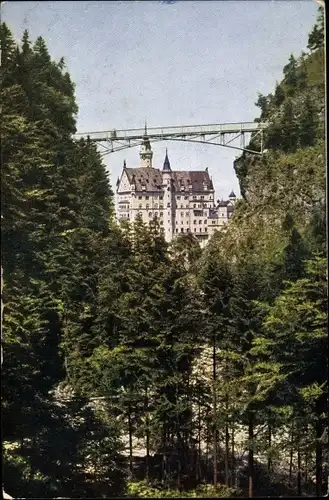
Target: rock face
column 296, row 122
column 290, row 176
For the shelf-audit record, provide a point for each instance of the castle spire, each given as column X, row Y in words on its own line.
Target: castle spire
column 166, row 163
column 146, row 153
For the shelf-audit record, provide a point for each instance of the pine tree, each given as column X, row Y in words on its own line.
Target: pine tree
column 289, row 132
column 294, row 349
column 55, row 216
column 316, row 37
column 263, row 104
column 290, row 75
column 279, row 95
column 294, row 253
column 307, row 123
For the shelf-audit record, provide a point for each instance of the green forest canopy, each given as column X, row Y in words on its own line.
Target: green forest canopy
column 185, row 350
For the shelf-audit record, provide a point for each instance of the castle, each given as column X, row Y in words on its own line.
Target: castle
column 183, row 201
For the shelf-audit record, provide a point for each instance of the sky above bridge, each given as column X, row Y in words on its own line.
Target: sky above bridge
column 171, row 63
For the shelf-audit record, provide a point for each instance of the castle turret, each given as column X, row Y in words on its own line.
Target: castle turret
column 169, row 221
column 146, row 153
column 232, row 197
column 166, row 163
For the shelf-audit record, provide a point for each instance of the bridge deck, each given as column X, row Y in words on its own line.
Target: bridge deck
column 176, row 131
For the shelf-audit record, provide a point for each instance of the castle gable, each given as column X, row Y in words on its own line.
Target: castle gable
column 124, row 183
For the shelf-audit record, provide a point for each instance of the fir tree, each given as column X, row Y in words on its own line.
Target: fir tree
column 316, row 37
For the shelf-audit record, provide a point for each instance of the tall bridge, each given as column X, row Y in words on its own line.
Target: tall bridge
column 223, row 134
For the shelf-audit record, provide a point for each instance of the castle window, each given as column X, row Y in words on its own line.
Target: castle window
column 156, row 214
column 178, row 197
column 140, row 206
column 182, row 206
column 147, row 197
column 194, row 222
column 205, row 229
column 161, row 214
column 200, row 221
column 185, row 197
column 150, row 214
column 194, row 206
column 182, row 222
column 161, row 197
column 168, row 205
column 195, row 229
column 176, row 230
column 182, row 230
column 147, row 206
column 161, row 222
column 155, row 205
column 168, row 189
column 187, row 214
column 202, row 197
column 140, row 197
column 182, row 214
column 194, row 197
column 205, row 222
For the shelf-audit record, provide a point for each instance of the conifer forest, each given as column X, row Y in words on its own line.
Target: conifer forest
column 137, row 368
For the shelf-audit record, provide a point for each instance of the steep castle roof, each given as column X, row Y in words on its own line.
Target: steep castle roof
column 222, row 203
column 145, row 177
column 197, row 179
column 166, row 163
column 150, row 179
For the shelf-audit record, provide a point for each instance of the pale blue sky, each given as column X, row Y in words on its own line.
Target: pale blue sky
column 188, row 62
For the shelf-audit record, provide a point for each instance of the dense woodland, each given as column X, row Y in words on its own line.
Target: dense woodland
column 215, row 360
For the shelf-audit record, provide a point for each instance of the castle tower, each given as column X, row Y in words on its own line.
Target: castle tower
column 146, row 153
column 232, row 197
column 166, row 163
column 168, row 199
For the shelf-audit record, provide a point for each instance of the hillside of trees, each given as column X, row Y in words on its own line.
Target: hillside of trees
column 133, row 367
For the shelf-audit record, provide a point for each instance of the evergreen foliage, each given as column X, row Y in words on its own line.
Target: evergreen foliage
column 316, row 37
column 133, row 367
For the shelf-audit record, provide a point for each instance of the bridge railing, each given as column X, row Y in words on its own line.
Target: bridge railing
column 185, row 130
